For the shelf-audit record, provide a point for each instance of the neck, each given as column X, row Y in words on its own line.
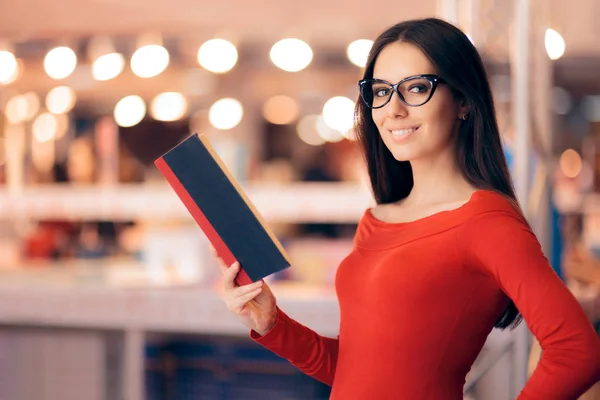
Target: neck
column 437, row 180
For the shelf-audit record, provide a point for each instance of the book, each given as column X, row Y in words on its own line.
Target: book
column 222, row 209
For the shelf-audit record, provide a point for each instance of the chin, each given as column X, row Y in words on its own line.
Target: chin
column 402, row 157
column 403, row 153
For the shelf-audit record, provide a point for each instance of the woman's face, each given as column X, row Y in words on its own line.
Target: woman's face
column 414, row 133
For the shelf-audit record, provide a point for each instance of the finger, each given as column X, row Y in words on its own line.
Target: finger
column 240, row 302
column 243, row 290
column 220, row 261
column 230, row 274
column 212, row 249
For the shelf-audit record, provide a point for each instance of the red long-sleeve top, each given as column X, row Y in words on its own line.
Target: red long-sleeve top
column 418, row 300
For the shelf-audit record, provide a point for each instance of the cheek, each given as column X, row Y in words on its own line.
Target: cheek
column 440, row 120
column 444, row 124
column 378, row 116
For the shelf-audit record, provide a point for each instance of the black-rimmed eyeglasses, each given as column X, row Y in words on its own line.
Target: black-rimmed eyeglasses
column 413, row 91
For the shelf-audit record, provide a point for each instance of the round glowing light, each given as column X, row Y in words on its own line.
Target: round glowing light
column 570, row 163
column 8, row 66
column 217, row 55
column 358, row 52
column 555, row 44
column 281, row 110
column 225, row 113
column 291, row 54
column 60, row 100
column 108, row 66
column 16, row 75
column 168, row 106
column 338, row 113
column 45, row 127
column 129, row 111
column 22, row 107
column 149, row 61
column 60, row 62
column 307, row 130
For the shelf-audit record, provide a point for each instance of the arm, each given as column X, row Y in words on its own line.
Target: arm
column 313, row 354
column 500, row 244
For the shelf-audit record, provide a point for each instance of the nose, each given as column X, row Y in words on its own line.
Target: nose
column 395, row 107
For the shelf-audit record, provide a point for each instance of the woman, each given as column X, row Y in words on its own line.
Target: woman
column 444, row 257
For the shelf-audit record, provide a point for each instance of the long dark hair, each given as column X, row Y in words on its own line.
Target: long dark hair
column 479, row 153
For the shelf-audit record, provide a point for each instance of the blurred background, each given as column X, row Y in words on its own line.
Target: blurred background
column 107, row 287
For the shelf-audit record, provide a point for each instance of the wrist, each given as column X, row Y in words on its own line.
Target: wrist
column 271, row 323
column 274, row 316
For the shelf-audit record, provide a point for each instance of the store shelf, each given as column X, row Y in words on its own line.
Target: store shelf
column 294, row 203
column 92, row 298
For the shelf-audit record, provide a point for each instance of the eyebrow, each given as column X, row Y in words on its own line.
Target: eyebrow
column 408, row 76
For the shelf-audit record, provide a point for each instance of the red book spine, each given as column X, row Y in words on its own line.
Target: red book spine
column 204, row 224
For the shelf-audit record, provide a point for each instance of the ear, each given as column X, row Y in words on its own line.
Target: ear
column 463, row 110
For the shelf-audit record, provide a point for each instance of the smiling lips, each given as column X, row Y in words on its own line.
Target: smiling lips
column 402, row 134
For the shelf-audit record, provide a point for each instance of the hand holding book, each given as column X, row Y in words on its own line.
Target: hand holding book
column 254, row 304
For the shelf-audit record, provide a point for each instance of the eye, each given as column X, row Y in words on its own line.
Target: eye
column 418, row 88
column 381, row 92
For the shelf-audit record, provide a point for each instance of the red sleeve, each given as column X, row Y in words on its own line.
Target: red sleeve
column 500, row 243
column 313, row 354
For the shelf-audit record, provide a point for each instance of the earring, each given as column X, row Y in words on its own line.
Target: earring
column 464, row 117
